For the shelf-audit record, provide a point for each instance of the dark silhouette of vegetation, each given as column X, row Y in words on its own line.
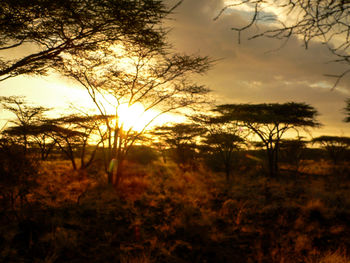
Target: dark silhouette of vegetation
column 292, row 152
column 18, row 174
column 335, row 146
column 226, row 144
column 27, row 119
column 181, row 140
column 109, row 197
column 221, row 139
column 61, row 28
column 270, row 122
column 154, row 78
column 74, row 134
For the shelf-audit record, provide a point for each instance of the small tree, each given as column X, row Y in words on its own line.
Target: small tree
column 73, row 135
column 292, row 151
column 221, row 138
column 225, row 144
column 36, row 135
column 335, row 146
column 27, row 118
column 270, row 122
column 182, row 141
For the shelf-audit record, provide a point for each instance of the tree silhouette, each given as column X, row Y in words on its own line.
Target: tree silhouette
column 73, row 134
column 225, row 144
column 292, row 151
column 270, row 122
column 221, row 138
column 27, row 118
column 336, row 146
column 153, row 78
column 55, row 29
column 181, row 140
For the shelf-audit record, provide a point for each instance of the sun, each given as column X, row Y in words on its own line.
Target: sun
column 135, row 117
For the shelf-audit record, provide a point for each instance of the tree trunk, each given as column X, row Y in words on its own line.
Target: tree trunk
column 271, row 163
column 73, row 163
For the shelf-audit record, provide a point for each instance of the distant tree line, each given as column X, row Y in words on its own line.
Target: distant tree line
column 220, row 138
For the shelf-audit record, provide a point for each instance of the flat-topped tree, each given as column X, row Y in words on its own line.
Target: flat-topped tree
column 270, row 122
column 55, row 29
column 335, row 146
column 26, row 118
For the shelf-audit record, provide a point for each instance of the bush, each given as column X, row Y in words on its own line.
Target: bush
column 17, row 175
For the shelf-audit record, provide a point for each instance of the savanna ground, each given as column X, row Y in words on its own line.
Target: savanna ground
column 162, row 213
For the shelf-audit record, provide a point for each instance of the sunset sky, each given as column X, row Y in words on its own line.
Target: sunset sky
column 250, row 72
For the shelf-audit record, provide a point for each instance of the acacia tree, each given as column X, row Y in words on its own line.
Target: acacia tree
column 225, row 144
column 221, row 138
column 181, row 139
column 75, row 135
column 36, row 136
column 270, row 122
column 55, row 29
column 293, row 151
column 322, row 20
column 336, row 146
column 134, row 75
column 27, row 118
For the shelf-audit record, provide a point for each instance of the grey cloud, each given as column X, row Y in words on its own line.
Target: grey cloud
column 248, row 73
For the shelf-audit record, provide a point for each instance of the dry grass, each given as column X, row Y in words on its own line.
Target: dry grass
column 191, row 216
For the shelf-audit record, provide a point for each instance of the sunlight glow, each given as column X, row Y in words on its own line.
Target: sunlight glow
column 134, row 117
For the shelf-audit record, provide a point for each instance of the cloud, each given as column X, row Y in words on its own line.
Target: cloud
column 259, row 70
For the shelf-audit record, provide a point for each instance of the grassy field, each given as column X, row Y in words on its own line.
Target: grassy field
column 162, row 214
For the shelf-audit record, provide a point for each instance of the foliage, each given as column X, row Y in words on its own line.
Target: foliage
column 61, row 28
column 73, row 134
column 181, row 140
column 292, row 152
column 132, row 75
column 142, row 154
column 336, row 146
column 25, row 125
column 221, row 141
column 269, row 122
column 179, row 217
column 18, row 174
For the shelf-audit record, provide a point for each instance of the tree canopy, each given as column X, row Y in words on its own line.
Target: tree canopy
column 269, row 122
column 336, row 146
column 128, row 75
column 291, row 113
column 55, row 29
